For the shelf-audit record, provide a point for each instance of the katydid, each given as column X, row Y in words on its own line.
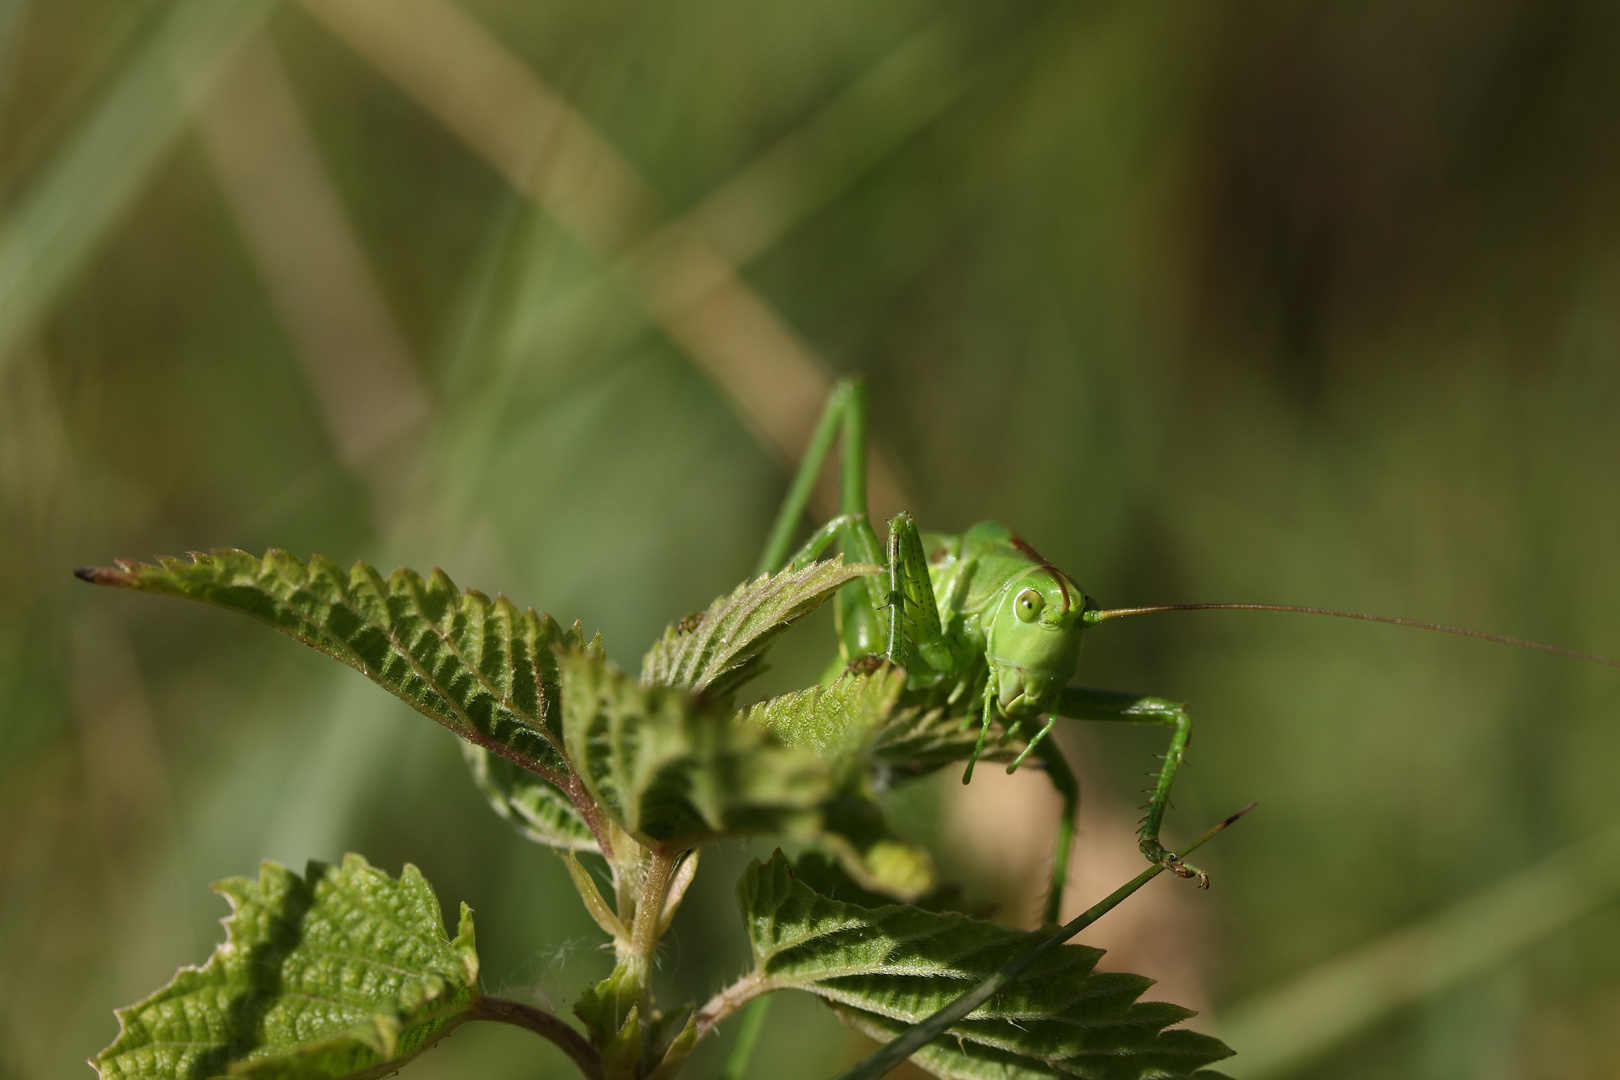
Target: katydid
column 983, row 623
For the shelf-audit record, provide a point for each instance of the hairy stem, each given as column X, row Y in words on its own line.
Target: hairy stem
column 574, row 788
column 543, row 1024
column 650, row 909
column 731, row 999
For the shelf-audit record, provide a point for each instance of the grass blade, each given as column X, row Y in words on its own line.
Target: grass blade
column 549, row 151
column 1284, row 1029
column 312, row 264
column 81, row 194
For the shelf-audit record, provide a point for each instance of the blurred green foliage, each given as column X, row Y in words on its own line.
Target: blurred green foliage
column 1311, row 304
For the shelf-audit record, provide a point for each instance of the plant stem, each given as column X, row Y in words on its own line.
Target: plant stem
column 577, row 794
column 543, row 1024
column 892, row 1053
column 644, row 926
column 729, row 1000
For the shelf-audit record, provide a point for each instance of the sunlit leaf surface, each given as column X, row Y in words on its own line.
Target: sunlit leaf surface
column 342, row 972
column 884, row 968
column 723, row 647
column 481, row 667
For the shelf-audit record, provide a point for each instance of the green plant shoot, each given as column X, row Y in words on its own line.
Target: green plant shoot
column 346, row 973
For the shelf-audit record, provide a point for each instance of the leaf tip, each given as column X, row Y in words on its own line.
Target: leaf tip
column 105, row 575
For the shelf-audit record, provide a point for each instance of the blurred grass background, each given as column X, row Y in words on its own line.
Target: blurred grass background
column 1275, row 303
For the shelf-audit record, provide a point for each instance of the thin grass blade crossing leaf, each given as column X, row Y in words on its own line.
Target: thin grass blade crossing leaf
column 882, row 969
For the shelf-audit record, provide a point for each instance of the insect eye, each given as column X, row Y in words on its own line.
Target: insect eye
column 1028, row 605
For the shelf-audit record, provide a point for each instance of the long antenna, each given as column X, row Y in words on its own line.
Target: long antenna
column 1097, row 616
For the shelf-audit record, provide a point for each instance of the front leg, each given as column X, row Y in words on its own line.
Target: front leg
column 1078, row 703
column 915, row 639
column 987, row 710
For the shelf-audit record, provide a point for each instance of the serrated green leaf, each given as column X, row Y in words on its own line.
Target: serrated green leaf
column 827, row 876
column 675, row 770
column 535, row 808
column 480, row 667
column 852, row 829
column 885, row 968
column 344, row 972
column 724, row 647
column 839, row 721
column 1174, row 1053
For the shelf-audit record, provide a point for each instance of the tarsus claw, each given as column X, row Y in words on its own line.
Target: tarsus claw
column 1168, row 860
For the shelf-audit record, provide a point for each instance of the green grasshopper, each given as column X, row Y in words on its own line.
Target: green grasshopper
column 982, row 623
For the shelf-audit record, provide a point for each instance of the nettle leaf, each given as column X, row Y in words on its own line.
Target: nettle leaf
column 883, row 969
column 838, row 721
column 481, row 667
column 674, row 769
column 535, row 808
column 344, row 972
column 723, row 647
column 853, row 830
